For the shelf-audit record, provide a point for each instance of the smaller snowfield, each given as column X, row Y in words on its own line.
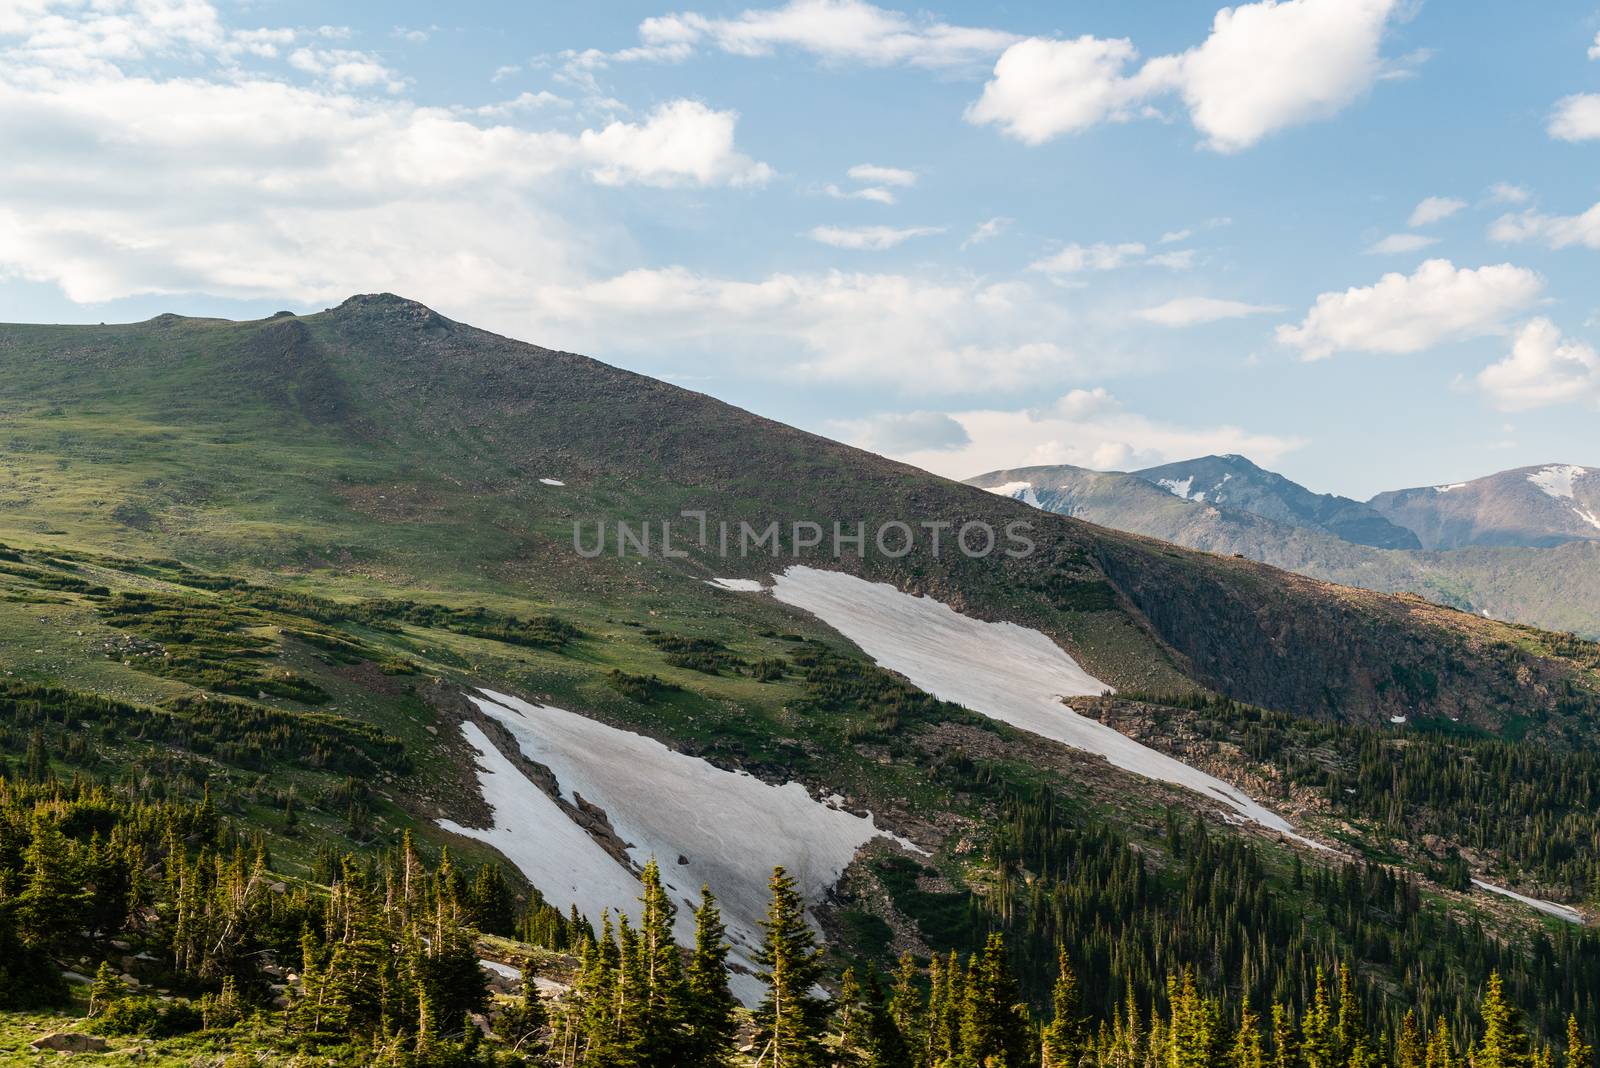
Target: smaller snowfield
column 703, row 825
column 1017, row 491
column 1003, row 671
column 1447, row 489
column 1549, row 908
column 1397, row 719
column 1178, row 488
column 737, row 585
column 552, row 482
column 1556, row 480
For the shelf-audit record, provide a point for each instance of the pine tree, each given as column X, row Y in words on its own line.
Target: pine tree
column 1319, row 1044
column 1504, row 1043
column 106, row 988
column 1285, row 1051
column 1066, row 1035
column 1409, row 1051
column 870, row 1037
column 790, row 1018
column 905, row 1002
column 1579, row 1053
column 1247, row 1051
column 665, row 1010
column 1441, row 1053
column 1352, row 1028
column 994, row 1023
column 711, row 1022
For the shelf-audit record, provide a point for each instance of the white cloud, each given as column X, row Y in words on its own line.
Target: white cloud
column 1506, row 193
column 869, row 238
column 832, row 30
column 876, row 193
column 683, row 142
column 345, row 69
column 1576, row 118
column 1174, row 236
column 986, row 231
column 1396, row 244
column 1434, row 209
column 871, row 172
column 1042, row 88
column 1594, row 49
column 1086, row 428
column 248, row 185
column 1543, row 369
column 1076, row 258
column 1556, row 231
column 1408, row 313
column 910, row 334
column 900, row 432
column 1264, row 67
column 1177, row 260
column 1192, row 311
column 1270, row 65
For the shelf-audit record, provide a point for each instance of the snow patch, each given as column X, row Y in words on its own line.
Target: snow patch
column 1447, row 489
column 1587, row 516
column 552, row 482
column 680, row 809
column 504, row 971
column 1003, row 671
column 1017, row 491
column 1549, row 908
column 737, row 585
column 1556, row 480
column 1397, row 719
column 1177, row 488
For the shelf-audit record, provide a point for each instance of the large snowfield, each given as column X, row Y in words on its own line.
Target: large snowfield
column 1549, row 908
column 1001, row 670
column 704, row 825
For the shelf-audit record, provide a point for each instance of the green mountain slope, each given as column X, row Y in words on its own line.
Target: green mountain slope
column 259, row 563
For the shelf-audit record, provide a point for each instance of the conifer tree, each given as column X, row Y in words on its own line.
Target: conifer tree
column 106, row 988
column 1247, row 1051
column 1066, row 1035
column 1441, row 1052
column 994, row 1023
column 905, row 1003
column 1285, row 1051
column 790, row 1018
column 1409, row 1051
column 711, row 1023
column 1504, row 1043
column 1319, row 1035
column 1579, row 1053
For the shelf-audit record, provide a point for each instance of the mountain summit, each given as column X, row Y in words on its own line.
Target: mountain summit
column 1547, row 505
column 1235, row 482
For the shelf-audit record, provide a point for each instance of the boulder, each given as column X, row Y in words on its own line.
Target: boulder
column 70, row 1042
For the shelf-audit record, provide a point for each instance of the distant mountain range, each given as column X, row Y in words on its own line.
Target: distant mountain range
column 1521, row 545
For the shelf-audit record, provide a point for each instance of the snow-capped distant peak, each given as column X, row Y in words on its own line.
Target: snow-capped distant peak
column 1179, row 488
column 1447, row 489
column 1018, row 491
column 1556, row 480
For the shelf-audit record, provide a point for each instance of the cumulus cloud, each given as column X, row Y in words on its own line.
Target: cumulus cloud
column 1086, row 428
column 1396, row 244
column 869, row 238
column 1264, row 67
column 897, row 433
column 1408, row 313
column 911, row 334
column 1576, row 118
column 1042, row 88
column 876, row 193
column 1434, row 209
column 1542, row 369
column 1193, row 311
column 250, row 184
column 1556, row 231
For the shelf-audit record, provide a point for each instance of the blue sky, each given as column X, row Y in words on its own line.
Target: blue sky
column 1345, row 237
